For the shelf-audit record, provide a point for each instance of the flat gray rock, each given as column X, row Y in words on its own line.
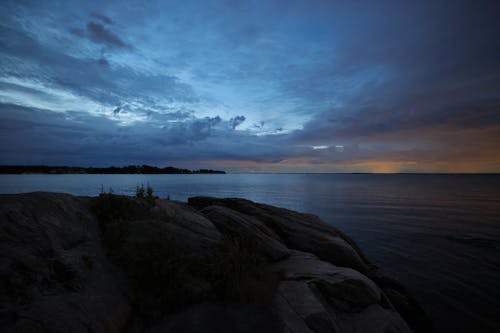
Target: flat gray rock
column 343, row 287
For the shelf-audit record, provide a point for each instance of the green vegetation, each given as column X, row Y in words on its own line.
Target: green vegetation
column 139, row 192
column 109, row 208
column 114, row 213
column 165, row 277
column 147, row 195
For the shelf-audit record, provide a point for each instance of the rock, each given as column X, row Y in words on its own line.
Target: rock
column 374, row 318
column 301, row 300
column 290, row 319
column 184, row 245
column 55, row 275
column 174, row 220
column 199, row 243
column 235, row 224
column 53, row 271
column 402, row 301
column 165, row 264
column 304, row 232
column 344, row 288
column 220, row 318
column 334, row 299
column 188, row 219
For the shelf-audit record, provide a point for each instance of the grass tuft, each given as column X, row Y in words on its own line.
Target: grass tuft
column 145, row 194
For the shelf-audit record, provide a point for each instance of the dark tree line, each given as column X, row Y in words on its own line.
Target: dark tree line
column 130, row 169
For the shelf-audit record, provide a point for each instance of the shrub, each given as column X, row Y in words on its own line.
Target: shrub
column 241, row 272
column 139, row 192
column 149, row 195
column 114, row 212
column 145, row 194
column 109, row 207
column 158, row 270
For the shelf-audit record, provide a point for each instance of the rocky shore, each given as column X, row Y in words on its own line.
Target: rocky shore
column 122, row 264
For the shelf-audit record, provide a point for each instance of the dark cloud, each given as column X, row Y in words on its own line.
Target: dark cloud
column 259, row 125
column 77, row 137
column 201, row 129
column 102, row 61
column 101, row 35
column 236, row 121
column 372, row 122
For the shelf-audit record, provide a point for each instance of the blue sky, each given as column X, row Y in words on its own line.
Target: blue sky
column 252, row 86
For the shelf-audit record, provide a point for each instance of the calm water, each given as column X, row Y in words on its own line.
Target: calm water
column 440, row 234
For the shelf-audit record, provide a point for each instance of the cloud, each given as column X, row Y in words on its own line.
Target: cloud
column 101, row 35
column 78, row 137
column 102, row 61
column 78, row 32
column 103, row 18
column 402, row 120
column 33, row 64
column 236, row 121
column 201, row 128
column 415, row 81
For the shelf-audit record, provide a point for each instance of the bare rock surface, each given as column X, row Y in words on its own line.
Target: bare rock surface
column 192, row 222
column 54, row 274
column 65, row 267
column 304, row 232
column 347, row 289
column 235, row 224
column 220, row 318
column 301, row 300
column 176, row 220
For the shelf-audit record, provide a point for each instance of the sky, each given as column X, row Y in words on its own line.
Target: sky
column 252, row 86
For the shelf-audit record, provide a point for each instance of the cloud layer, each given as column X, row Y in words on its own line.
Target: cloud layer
column 247, row 86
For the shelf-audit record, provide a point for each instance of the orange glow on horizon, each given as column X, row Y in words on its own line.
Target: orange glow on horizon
column 302, row 165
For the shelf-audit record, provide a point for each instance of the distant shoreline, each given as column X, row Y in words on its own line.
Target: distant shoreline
column 131, row 169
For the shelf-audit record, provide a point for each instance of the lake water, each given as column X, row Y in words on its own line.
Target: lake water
column 440, row 234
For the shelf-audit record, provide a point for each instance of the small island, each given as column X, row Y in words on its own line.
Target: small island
column 130, row 169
